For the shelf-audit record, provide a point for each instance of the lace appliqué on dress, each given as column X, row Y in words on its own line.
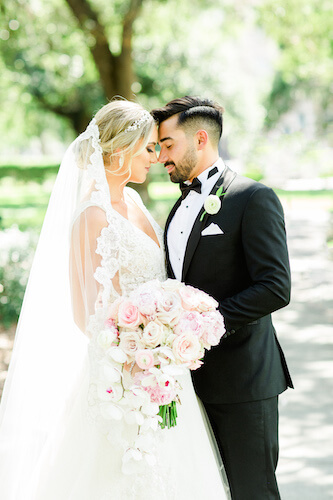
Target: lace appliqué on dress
column 131, row 256
column 128, row 251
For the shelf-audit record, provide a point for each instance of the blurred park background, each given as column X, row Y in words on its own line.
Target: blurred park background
column 269, row 62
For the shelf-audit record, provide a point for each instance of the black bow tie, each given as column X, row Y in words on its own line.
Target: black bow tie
column 185, row 189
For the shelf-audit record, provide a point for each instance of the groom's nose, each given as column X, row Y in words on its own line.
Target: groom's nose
column 163, row 155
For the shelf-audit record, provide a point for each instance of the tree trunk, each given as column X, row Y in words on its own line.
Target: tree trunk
column 116, row 72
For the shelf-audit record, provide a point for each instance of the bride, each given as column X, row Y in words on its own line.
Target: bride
column 98, row 242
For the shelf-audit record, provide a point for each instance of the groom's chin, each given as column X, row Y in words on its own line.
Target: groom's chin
column 173, row 177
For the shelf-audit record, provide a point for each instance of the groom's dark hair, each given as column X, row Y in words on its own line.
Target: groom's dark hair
column 193, row 112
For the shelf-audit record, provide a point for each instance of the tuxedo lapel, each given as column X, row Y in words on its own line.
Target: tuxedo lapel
column 169, row 219
column 224, row 180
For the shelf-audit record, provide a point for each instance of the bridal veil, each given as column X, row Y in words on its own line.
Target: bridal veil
column 50, row 347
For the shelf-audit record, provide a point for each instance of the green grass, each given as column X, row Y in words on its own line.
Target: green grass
column 25, row 203
column 36, row 173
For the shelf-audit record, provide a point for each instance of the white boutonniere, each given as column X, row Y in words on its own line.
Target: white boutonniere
column 213, row 203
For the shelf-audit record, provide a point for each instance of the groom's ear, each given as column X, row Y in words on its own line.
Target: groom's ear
column 201, row 139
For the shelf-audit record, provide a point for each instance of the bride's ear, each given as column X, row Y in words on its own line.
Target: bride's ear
column 119, row 156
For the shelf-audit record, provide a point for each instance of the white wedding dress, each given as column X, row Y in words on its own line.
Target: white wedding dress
column 53, row 443
column 86, row 463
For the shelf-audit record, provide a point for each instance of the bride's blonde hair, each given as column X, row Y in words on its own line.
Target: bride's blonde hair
column 122, row 124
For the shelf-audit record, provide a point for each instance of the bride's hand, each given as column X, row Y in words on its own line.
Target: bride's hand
column 132, row 368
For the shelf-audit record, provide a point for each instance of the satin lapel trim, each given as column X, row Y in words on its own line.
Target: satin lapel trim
column 225, row 180
column 169, row 219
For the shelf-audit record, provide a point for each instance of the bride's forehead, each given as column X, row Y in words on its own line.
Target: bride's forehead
column 154, row 135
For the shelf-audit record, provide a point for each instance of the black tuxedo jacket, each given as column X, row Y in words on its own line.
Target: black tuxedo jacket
column 246, row 269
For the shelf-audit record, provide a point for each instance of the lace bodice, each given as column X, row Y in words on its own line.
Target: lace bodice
column 128, row 252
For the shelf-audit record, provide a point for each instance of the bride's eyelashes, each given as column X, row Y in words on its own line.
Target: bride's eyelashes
column 153, row 151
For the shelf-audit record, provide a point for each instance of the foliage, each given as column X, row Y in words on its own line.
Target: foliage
column 17, row 250
column 32, row 174
column 302, row 30
column 258, row 58
column 50, row 66
column 48, row 61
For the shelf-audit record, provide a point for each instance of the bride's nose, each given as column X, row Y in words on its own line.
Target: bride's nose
column 154, row 158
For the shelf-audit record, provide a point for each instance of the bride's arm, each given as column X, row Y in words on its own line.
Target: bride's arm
column 85, row 290
column 84, row 260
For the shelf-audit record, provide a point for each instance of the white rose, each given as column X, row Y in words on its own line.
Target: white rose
column 171, row 285
column 105, row 339
column 130, row 342
column 187, row 348
column 169, row 308
column 153, row 334
column 212, row 204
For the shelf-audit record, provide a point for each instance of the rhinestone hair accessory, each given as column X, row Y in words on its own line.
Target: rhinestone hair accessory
column 138, row 123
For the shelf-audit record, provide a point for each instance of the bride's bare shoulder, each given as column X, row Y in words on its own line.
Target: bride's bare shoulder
column 90, row 221
column 132, row 193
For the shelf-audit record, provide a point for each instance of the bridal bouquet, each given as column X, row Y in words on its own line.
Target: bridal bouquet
column 160, row 330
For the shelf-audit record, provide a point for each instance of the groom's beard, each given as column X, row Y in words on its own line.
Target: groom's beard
column 183, row 169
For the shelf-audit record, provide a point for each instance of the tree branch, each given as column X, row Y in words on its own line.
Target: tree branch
column 76, row 113
column 103, row 57
column 129, row 18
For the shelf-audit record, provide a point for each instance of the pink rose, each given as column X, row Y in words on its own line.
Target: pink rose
column 169, row 308
column 129, row 315
column 190, row 321
column 187, row 348
column 146, row 302
column 213, row 328
column 144, row 359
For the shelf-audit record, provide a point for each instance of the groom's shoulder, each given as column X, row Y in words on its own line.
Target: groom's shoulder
column 245, row 185
column 245, row 192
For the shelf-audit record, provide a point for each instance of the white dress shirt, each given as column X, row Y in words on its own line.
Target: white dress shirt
column 181, row 225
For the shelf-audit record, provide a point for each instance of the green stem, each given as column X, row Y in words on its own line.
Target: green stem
column 169, row 415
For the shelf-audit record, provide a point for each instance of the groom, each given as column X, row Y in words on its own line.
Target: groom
column 233, row 248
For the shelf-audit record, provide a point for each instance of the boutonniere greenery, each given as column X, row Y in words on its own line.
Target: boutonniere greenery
column 213, row 203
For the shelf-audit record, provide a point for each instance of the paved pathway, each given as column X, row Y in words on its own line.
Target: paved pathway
column 305, row 328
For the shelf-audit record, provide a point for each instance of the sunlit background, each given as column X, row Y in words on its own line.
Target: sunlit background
column 269, row 63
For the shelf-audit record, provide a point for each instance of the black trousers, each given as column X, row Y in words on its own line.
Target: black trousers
column 247, row 435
